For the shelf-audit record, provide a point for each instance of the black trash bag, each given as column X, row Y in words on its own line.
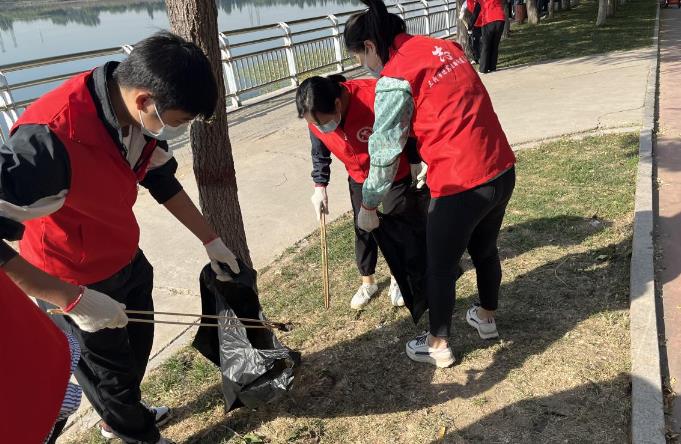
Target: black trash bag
column 401, row 236
column 256, row 368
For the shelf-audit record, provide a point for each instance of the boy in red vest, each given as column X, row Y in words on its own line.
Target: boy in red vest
column 68, row 182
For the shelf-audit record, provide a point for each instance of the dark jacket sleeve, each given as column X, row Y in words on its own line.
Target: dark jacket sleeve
column 160, row 180
column 321, row 161
column 474, row 15
column 412, row 152
column 35, row 175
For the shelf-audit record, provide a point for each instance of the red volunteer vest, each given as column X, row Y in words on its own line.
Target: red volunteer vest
column 350, row 144
column 95, row 233
column 459, row 135
column 36, row 365
column 492, row 11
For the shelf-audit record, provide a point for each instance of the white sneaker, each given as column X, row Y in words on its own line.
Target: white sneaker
column 486, row 329
column 418, row 350
column 162, row 415
column 395, row 293
column 363, row 296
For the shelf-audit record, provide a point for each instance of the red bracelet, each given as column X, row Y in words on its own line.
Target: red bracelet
column 206, row 243
column 75, row 302
column 367, row 208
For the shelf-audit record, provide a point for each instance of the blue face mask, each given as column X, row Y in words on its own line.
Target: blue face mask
column 328, row 127
column 376, row 73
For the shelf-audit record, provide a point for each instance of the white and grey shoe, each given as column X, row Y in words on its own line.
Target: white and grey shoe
column 162, row 415
column 395, row 293
column 486, row 329
column 418, row 350
column 363, row 296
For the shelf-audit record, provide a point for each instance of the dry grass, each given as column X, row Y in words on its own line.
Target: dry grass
column 560, row 373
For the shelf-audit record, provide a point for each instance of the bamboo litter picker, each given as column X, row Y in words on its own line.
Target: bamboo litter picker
column 325, row 261
column 263, row 324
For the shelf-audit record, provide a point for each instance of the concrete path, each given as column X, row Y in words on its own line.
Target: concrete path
column 668, row 154
column 272, row 158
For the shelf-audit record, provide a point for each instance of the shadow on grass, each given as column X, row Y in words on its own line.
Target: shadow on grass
column 560, row 417
column 537, row 309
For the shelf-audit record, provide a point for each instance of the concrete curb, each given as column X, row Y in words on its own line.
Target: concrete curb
column 647, row 406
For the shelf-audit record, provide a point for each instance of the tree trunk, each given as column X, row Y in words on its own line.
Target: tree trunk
column 602, row 12
column 462, row 37
column 612, row 8
column 507, row 22
column 565, row 4
column 196, row 21
column 552, row 8
column 532, row 12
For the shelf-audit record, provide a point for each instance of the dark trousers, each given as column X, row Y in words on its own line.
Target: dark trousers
column 113, row 361
column 469, row 220
column 489, row 52
column 476, row 38
column 366, row 249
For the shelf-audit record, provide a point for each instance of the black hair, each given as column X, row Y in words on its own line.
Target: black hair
column 375, row 24
column 318, row 94
column 176, row 72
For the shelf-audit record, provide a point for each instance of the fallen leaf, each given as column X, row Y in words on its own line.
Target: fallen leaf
column 443, row 433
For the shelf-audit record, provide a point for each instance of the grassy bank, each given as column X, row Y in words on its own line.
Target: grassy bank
column 559, row 373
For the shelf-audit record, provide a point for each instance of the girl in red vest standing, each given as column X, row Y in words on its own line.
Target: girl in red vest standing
column 428, row 87
column 340, row 117
column 492, row 18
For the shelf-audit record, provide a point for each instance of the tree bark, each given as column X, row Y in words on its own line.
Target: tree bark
column 462, row 37
column 612, row 8
column 196, row 21
column 532, row 12
column 565, row 4
column 602, row 12
column 552, row 9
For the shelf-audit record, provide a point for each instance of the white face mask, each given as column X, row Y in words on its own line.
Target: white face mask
column 374, row 72
column 166, row 132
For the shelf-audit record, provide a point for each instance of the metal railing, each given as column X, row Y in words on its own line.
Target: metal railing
column 257, row 62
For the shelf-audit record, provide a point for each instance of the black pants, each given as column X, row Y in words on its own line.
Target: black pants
column 366, row 249
column 476, row 38
column 113, row 361
column 469, row 220
column 489, row 52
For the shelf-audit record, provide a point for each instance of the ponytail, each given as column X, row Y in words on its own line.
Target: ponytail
column 318, row 95
column 375, row 24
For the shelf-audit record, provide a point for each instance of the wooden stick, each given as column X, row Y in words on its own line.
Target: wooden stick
column 157, row 321
column 154, row 321
column 264, row 324
column 325, row 262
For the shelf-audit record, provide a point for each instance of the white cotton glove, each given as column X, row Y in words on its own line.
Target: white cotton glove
column 220, row 254
column 95, row 311
column 320, row 201
column 367, row 220
column 418, row 174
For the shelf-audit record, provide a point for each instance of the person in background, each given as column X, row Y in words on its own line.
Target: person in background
column 493, row 22
column 474, row 27
column 428, row 88
column 69, row 176
column 38, row 359
column 340, row 119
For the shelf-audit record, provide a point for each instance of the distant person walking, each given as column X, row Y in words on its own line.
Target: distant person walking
column 493, row 22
